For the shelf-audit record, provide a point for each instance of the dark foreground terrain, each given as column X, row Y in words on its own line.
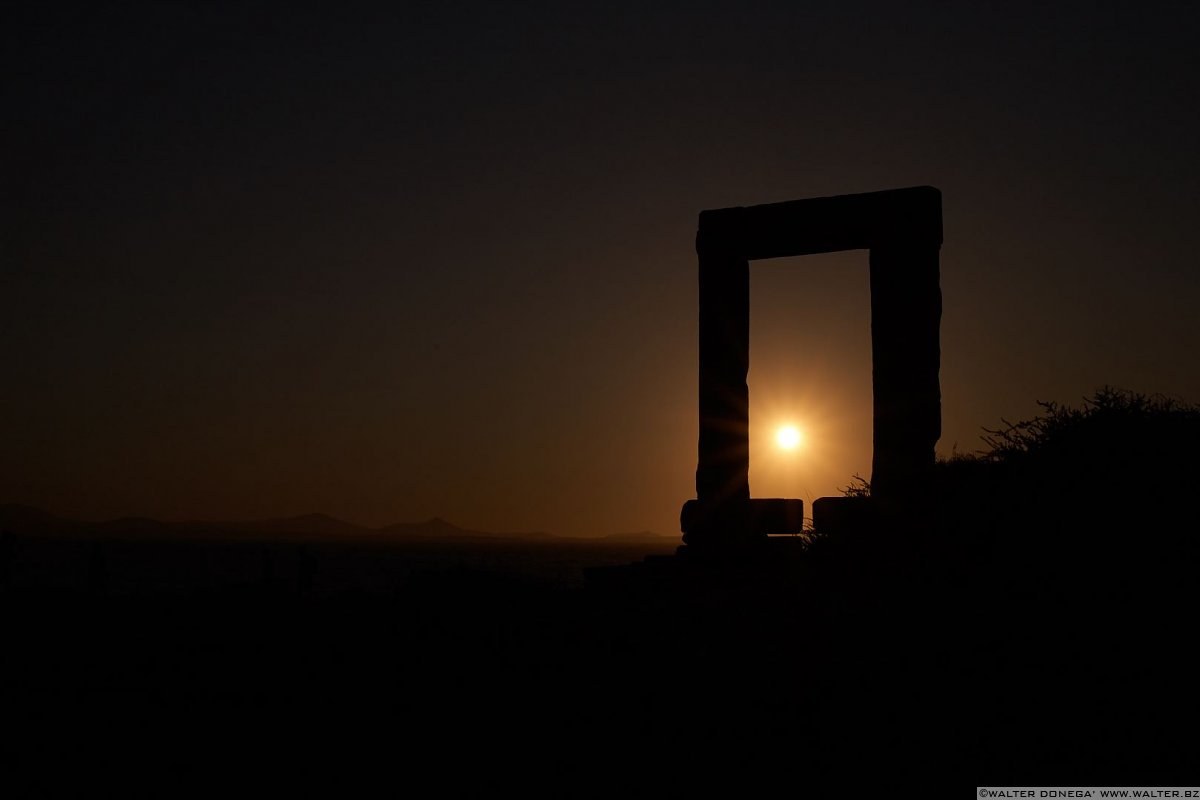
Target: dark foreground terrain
column 1008, row 628
column 478, row 665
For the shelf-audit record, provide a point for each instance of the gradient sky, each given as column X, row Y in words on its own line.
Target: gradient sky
column 400, row 260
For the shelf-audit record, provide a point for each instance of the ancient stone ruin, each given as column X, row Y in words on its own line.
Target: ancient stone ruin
column 902, row 229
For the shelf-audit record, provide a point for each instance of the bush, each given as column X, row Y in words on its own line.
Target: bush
column 1108, row 479
column 1112, row 423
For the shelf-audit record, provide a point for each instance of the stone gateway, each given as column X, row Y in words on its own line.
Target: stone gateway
column 902, row 229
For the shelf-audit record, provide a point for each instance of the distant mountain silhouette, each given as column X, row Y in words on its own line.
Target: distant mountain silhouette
column 138, row 525
column 305, row 523
column 27, row 519
column 439, row 528
column 635, row 536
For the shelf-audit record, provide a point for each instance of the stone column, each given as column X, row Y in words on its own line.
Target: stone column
column 906, row 311
column 722, row 473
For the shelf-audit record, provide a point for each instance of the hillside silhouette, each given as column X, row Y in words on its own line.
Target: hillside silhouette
column 1050, row 590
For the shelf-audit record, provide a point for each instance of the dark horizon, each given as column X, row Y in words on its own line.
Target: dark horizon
column 23, row 519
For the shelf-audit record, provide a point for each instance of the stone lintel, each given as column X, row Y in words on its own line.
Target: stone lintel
column 909, row 216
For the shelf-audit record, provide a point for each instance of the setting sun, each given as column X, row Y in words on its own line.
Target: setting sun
column 788, row 437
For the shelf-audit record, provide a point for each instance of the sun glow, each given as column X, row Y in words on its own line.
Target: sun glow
column 788, row 437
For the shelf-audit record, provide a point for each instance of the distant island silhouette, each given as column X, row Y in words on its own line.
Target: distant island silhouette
column 28, row 520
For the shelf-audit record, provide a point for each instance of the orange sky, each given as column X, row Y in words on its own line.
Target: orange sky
column 389, row 265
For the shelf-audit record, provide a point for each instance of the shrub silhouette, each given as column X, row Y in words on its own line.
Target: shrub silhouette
column 1120, row 467
column 1051, row 584
column 1079, row 523
column 1077, row 518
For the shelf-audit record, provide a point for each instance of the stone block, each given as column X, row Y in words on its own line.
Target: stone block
column 839, row 515
column 757, row 517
